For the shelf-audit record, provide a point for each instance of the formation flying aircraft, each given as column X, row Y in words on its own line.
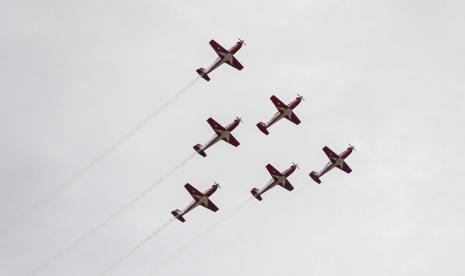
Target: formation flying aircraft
column 224, row 56
column 222, row 133
column 335, row 161
column 199, row 199
column 277, row 179
column 284, row 111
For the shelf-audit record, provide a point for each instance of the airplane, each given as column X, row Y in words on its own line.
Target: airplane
column 336, row 161
column 199, row 199
column 224, row 56
column 284, row 111
column 222, row 133
column 278, row 178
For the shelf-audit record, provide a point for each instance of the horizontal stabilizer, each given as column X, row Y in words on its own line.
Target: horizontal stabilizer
column 255, row 193
column 177, row 216
column 262, row 127
column 315, row 177
column 199, row 150
column 202, row 73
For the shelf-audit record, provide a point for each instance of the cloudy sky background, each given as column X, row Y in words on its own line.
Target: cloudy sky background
column 386, row 76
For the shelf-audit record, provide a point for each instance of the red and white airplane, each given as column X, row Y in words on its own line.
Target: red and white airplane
column 199, row 199
column 222, row 133
column 278, row 179
column 335, row 161
column 224, row 56
column 284, row 111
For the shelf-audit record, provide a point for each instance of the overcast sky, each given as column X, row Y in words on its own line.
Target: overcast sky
column 386, row 76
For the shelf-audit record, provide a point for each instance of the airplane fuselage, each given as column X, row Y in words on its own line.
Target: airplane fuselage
column 189, row 208
column 277, row 180
column 199, row 200
column 214, row 140
column 221, row 134
column 224, row 57
column 285, row 112
column 335, row 162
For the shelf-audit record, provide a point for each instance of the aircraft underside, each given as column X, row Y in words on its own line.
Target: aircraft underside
column 211, row 143
column 215, row 65
column 278, row 116
column 327, row 168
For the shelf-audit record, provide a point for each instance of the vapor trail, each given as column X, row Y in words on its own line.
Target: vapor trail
column 212, row 227
column 58, row 190
column 114, row 215
column 135, row 248
column 189, row 243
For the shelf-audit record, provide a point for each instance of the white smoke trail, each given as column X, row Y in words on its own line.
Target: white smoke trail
column 189, row 243
column 58, row 190
column 114, row 215
column 135, row 248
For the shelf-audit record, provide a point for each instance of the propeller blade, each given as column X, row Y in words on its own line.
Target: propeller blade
column 353, row 148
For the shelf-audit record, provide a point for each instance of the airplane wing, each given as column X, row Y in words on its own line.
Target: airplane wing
column 278, row 103
column 330, row 153
column 193, row 191
column 345, row 167
column 274, row 172
column 232, row 140
column 210, row 205
column 288, row 186
column 236, row 64
column 214, row 124
column 218, row 48
column 293, row 118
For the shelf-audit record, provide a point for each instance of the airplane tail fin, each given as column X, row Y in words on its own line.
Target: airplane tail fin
column 255, row 193
column 315, row 177
column 201, row 72
column 199, row 150
column 262, row 127
column 176, row 215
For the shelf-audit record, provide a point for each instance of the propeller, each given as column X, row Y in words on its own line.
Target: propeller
column 242, row 41
column 217, row 184
column 353, row 148
column 239, row 119
column 295, row 165
column 301, row 97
